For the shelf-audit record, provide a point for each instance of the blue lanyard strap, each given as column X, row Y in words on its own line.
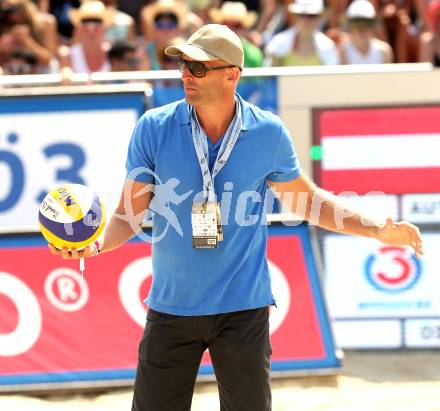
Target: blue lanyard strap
column 200, row 140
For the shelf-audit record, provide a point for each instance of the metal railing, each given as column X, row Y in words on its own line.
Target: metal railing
column 47, row 80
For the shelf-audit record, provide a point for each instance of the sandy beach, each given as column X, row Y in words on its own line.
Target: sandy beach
column 384, row 381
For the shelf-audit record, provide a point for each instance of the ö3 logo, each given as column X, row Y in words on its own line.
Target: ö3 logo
column 17, row 171
column 392, row 269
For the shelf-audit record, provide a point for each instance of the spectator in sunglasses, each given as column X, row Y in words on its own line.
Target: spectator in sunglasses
column 164, row 19
column 161, row 22
column 303, row 44
column 89, row 53
column 235, row 15
column 361, row 46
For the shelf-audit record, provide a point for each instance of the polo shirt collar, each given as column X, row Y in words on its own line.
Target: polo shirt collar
column 246, row 113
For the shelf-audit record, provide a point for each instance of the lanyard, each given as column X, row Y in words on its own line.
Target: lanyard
column 200, row 140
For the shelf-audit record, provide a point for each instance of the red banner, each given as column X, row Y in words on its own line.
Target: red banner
column 56, row 326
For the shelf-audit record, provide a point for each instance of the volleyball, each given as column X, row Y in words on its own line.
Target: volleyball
column 71, row 216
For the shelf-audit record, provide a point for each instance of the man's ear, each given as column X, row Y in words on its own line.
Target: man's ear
column 233, row 74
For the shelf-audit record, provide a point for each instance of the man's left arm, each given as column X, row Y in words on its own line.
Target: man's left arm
column 303, row 198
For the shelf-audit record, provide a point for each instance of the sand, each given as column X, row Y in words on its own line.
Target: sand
column 384, row 381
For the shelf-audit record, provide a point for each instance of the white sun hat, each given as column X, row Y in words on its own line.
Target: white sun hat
column 361, row 9
column 306, row 7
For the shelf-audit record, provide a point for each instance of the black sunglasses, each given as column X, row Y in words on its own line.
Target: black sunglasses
column 197, row 68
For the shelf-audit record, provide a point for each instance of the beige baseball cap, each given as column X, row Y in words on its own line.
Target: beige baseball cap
column 212, row 42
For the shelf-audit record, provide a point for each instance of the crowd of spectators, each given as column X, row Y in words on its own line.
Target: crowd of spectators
column 84, row 36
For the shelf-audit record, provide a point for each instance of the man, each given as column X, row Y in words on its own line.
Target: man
column 211, row 285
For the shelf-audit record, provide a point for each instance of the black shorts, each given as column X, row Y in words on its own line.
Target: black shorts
column 171, row 349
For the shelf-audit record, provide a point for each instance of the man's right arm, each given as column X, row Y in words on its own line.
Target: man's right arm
column 128, row 217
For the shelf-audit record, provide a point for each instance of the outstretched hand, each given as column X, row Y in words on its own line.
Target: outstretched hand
column 89, row 251
column 403, row 234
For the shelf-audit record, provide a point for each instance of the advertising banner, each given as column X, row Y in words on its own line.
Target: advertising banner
column 382, row 296
column 57, row 327
column 383, row 162
column 421, row 208
column 49, row 140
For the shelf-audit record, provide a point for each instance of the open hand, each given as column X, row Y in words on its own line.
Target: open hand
column 401, row 234
column 89, row 251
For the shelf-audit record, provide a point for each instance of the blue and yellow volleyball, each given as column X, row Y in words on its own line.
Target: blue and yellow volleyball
column 71, row 216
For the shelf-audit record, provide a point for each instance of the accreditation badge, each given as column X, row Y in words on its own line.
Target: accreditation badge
column 206, row 225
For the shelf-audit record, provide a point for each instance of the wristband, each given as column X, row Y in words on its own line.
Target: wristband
column 97, row 245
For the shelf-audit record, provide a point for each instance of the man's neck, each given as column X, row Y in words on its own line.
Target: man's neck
column 215, row 119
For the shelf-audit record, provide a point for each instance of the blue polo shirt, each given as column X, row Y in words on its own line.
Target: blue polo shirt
column 234, row 276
